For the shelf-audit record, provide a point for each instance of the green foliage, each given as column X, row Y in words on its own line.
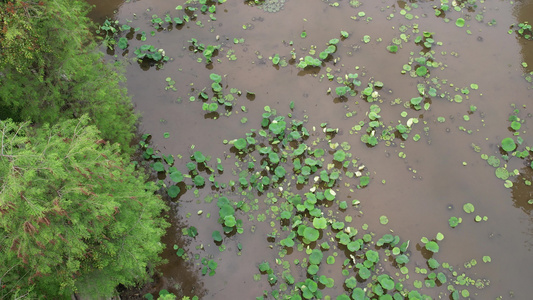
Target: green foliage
column 468, row 208
column 392, row 48
column 339, row 156
column 524, row 30
column 51, row 69
column 264, row 266
column 421, row 71
column 320, row 223
column 68, row 207
column 432, row 246
column 150, row 52
column 123, row 43
column 342, row 90
column 508, row 144
column 364, row 181
column 240, row 144
column 173, row 191
column 316, row 256
column 275, row 59
column 208, row 51
column 454, row 221
column 24, row 45
column 311, row 234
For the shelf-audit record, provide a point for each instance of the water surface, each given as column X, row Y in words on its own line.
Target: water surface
column 418, row 193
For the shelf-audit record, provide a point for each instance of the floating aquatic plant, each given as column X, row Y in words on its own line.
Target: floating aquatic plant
column 508, row 144
column 150, row 52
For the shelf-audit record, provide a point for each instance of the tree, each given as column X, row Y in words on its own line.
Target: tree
column 75, row 215
column 51, row 69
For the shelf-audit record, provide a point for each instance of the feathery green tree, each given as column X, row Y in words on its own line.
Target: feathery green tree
column 51, row 69
column 75, row 215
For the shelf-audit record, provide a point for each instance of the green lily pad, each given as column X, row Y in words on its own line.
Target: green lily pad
column 176, row 176
column 441, row 277
column 386, row 282
column 320, row 223
column 339, row 156
column 416, row 101
column 276, row 59
column 364, row 273
column 468, row 208
column 313, row 269
column 215, row 77
column 199, row 157
column 230, row 221
column 199, row 180
column 508, row 144
column 351, row 282
column 342, row 90
column 508, row 184
column 454, row 221
column 402, row 259
column 173, row 191
column 264, row 266
column 502, row 173
column 315, row 257
column 280, row 171
column 433, row 263
column 329, row 194
column 372, row 256
column 353, row 246
column 240, row 144
column 516, row 125
column 493, row 161
column 217, row 237
column 364, row 180
column 421, row 71
column 432, row 246
column 159, row 167
column 192, row 231
column 311, row 234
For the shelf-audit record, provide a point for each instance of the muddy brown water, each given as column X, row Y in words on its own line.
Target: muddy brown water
column 439, row 174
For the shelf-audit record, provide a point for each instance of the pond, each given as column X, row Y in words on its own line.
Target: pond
column 326, row 148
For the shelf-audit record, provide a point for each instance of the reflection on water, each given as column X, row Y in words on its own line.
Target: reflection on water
column 522, row 190
column 179, row 277
column 522, row 193
column 104, row 9
column 524, row 12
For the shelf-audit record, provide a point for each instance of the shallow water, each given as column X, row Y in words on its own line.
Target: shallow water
column 439, row 174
